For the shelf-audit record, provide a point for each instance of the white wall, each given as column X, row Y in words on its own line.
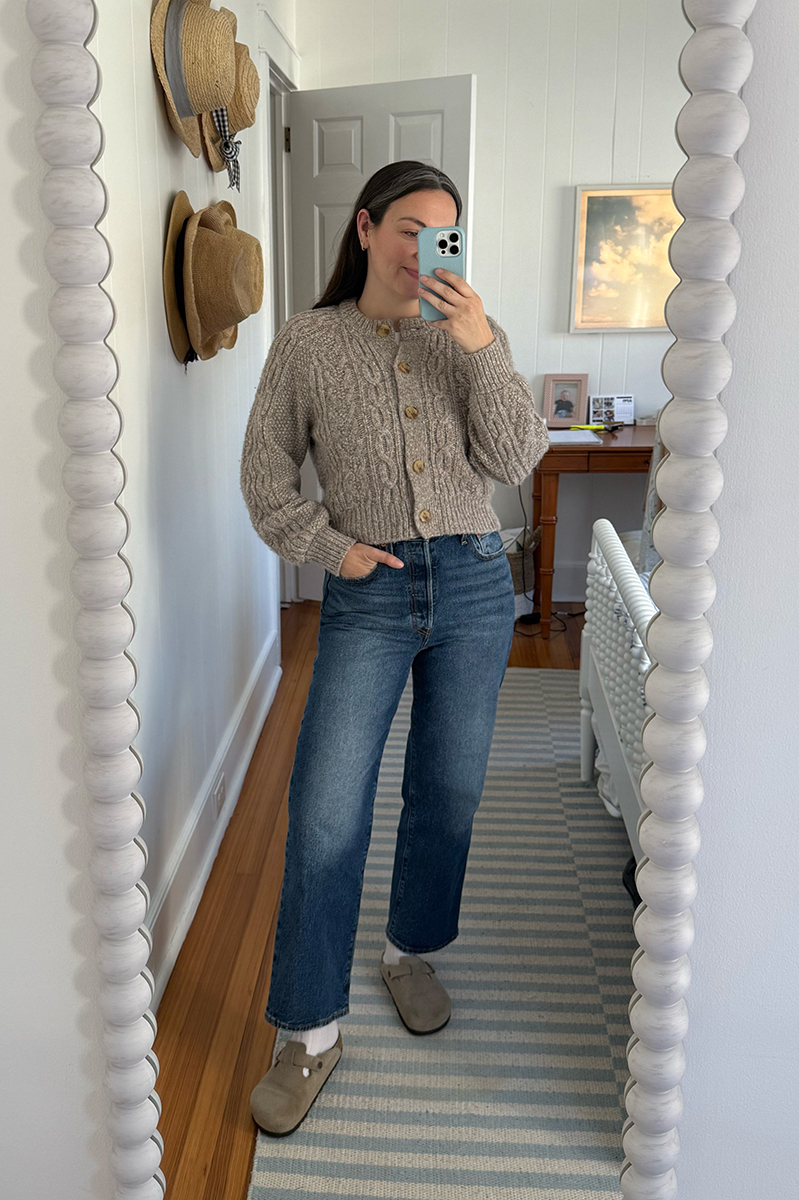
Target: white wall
column 205, row 588
column 568, row 92
column 204, row 593
column 741, row 1126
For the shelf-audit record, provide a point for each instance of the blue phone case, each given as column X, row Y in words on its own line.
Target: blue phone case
column 430, row 243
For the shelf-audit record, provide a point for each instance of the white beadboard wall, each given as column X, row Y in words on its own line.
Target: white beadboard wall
column 568, row 92
column 205, row 591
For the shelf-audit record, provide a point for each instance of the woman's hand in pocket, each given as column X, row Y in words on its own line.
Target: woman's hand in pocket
column 362, row 558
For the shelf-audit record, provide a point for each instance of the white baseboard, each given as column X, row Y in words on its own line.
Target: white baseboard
column 174, row 905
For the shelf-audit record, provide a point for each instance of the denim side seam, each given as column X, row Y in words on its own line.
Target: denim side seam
column 354, row 933
column 411, row 819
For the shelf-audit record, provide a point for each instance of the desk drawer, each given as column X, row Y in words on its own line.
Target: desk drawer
column 559, row 462
column 634, row 461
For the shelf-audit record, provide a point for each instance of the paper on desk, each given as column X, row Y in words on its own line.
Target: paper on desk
column 559, row 436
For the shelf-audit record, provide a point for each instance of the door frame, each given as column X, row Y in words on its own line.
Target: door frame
column 277, row 223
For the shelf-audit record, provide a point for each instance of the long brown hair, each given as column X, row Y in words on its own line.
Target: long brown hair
column 391, row 182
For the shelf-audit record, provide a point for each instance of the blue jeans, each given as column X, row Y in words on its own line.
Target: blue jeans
column 447, row 615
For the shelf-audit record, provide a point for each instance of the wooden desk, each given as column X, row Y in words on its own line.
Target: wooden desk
column 628, row 450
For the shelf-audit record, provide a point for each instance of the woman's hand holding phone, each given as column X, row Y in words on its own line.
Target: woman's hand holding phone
column 464, row 317
column 361, row 558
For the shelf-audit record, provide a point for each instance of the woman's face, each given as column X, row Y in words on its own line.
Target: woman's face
column 391, row 245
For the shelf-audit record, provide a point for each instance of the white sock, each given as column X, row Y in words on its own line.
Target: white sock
column 392, row 954
column 316, row 1041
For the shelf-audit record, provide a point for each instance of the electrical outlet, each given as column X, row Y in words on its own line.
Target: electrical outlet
column 219, row 793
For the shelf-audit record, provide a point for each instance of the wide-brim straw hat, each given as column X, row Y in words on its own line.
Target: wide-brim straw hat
column 220, row 278
column 240, row 110
column 204, row 72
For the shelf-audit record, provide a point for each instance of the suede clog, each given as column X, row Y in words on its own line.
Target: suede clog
column 280, row 1102
column 420, row 999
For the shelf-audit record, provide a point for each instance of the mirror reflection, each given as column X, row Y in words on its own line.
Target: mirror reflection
column 392, row 797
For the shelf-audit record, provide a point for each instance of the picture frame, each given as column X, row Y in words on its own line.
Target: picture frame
column 610, row 410
column 621, row 271
column 565, row 400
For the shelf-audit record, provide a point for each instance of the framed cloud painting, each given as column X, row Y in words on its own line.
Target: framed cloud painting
column 622, row 275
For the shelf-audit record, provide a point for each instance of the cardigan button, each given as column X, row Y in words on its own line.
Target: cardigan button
column 410, row 411
column 404, row 367
column 418, row 466
column 424, row 515
column 383, row 330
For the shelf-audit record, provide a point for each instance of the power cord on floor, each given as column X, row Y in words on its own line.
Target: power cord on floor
column 535, row 618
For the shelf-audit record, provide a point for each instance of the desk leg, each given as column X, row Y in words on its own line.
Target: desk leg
column 549, row 519
column 537, row 551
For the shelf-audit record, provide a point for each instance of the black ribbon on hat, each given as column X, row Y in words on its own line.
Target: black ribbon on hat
column 191, row 353
column 229, row 148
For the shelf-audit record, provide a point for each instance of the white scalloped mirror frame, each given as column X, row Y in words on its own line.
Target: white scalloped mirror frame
column 710, row 128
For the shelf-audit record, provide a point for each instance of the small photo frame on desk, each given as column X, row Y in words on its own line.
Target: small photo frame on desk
column 565, row 400
column 611, row 410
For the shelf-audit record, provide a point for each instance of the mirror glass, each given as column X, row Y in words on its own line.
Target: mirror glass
column 562, row 120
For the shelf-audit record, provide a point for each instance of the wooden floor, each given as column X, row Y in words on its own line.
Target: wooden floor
column 213, row 1043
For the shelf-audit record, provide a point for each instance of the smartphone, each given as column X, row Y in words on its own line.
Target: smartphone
column 442, row 246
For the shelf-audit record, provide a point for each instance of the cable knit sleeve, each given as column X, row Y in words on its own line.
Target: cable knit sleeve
column 507, row 437
column 275, row 444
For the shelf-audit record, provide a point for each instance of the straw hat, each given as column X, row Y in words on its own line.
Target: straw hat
column 213, row 278
column 193, row 49
column 240, row 110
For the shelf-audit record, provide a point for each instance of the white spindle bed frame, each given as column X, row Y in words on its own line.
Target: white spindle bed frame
column 613, row 666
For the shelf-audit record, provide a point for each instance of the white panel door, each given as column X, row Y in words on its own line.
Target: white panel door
column 339, row 138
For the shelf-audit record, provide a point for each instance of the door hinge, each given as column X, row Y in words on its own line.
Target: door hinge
column 287, row 138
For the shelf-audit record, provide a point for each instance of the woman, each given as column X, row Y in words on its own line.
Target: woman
column 406, row 434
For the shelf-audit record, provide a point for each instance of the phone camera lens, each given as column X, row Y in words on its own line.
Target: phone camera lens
column 453, row 237
column 442, row 245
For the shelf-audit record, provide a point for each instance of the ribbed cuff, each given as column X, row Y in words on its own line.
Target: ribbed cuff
column 489, row 367
column 328, row 547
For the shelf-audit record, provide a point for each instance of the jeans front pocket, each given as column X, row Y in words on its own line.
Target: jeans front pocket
column 485, row 546
column 359, row 578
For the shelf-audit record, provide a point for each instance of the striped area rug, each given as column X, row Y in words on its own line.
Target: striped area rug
column 519, row 1096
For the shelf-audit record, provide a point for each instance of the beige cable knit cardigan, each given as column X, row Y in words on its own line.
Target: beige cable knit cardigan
column 406, row 435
